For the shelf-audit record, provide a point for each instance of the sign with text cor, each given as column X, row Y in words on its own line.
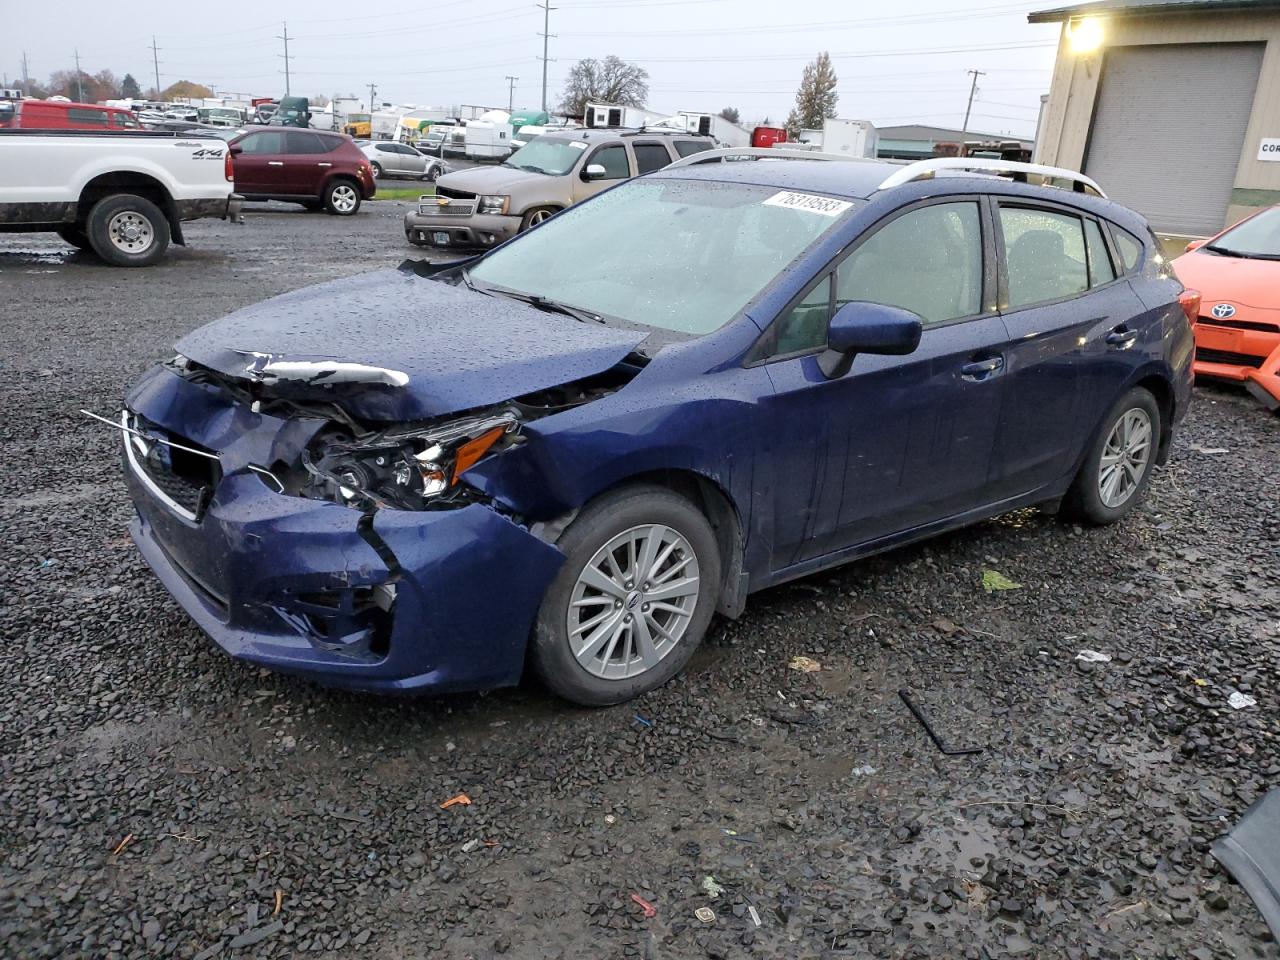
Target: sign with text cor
column 1269, row 149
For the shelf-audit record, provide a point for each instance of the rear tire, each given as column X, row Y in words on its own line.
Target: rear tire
column 342, row 197
column 127, row 231
column 597, row 640
column 377, row 170
column 1118, row 464
column 76, row 237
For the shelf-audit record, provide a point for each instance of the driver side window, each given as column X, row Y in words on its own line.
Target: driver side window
column 614, row 161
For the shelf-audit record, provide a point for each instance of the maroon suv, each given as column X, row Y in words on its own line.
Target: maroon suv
column 305, row 166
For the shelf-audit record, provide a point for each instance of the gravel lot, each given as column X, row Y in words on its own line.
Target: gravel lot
column 159, row 799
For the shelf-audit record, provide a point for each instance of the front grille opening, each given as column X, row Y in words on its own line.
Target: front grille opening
column 1239, row 324
column 1206, row 355
column 454, row 194
column 187, row 477
column 354, row 621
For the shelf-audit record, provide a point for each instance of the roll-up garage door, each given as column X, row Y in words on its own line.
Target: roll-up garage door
column 1169, row 127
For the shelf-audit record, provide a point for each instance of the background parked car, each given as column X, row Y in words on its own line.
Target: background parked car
column 390, row 159
column 63, row 115
column 305, row 166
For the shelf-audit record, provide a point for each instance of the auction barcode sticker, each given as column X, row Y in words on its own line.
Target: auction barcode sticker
column 809, row 202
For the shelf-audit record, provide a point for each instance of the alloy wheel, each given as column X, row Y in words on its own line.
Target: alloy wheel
column 633, row 601
column 538, row 216
column 344, row 198
column 1125, row 458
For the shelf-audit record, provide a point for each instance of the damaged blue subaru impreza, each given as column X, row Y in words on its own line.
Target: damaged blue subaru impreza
column 572, row 451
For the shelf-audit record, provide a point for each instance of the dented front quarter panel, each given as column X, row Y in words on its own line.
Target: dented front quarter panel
column 468, row 582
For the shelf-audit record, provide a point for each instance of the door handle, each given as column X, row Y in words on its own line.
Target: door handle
column 981, row 370
column 1122, row 337
column 324, row 164
column 275, row 163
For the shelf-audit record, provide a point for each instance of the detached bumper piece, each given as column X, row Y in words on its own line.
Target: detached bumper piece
column 1264, row 382
column 1251, row 854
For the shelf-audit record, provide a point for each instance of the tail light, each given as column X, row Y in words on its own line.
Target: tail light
column 1189, row 300
column 227, row 167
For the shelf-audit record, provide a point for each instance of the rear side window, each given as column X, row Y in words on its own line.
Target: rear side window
column 687, row 148
column 329, row 144
column 614, row 161
column 271, row 141
column 928, row 261
column 650, row 156
column 126, row 121
column 299, row 141
column 95, row 117
column 1130, row 248
column 1045, row 255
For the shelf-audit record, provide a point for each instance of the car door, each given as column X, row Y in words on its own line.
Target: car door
column 899, row 441
column 412, row 162
column 1069, row 339
column 617, row 165
column 259, row 166
column 305, row 162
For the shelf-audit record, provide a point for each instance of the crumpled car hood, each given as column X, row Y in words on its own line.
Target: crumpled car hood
column 351, row 340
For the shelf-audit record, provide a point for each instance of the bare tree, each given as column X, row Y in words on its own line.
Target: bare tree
column 319, row 100
column 731, row 114
column 816, row 98
column 611, row 80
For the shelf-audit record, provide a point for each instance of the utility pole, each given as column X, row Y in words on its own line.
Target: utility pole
column 285, row 38
column 155, row 62
column 373, row 90
column 546, row 8
column 79, row 82
column 511, row 92
column 973, row 88
column 26, row 81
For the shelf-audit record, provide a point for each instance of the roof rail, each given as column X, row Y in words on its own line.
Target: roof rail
column 721, row 154
column 923, row 169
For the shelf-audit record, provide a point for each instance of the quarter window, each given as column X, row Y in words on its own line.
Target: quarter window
column 650, row 156
column 301, row 142
column 804, row 327
column 614, row 161
column 687, row 148
column 1130, row 249
column 98, row 117
column 1100, row 269
column 1045, row 255
column 928, row 261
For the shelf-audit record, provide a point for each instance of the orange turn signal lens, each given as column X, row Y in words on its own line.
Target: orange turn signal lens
column 471, row 451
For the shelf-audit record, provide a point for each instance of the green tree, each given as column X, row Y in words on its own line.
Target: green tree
column 816, row 98
column 731, row 114
column 129, row 87
column 611, row 80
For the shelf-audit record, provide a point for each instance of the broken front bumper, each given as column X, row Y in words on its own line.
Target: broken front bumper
column 393, row 601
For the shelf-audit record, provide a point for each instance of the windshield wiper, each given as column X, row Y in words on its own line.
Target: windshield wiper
column 547, row 304
column 1225, row 251
column 1242, row 254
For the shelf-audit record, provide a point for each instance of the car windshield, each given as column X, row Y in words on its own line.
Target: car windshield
column 1257, row 237
column 547, row 155
column 676, row 255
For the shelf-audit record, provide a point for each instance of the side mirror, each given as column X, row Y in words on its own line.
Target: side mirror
column 1196, row 245
column 860, row 327
column 235, row 149
column 594, row 171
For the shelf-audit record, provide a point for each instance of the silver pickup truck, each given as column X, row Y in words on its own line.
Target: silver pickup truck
column 123, row 195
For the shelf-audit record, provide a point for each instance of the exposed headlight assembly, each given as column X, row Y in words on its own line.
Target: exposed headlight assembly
column 404, row 468
column 494, row 204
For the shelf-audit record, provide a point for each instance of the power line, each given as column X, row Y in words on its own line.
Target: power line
column 973, row 88
column 546, row 8
column 285, row 38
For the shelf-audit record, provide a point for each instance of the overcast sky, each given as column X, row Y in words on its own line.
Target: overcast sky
column 897, row 63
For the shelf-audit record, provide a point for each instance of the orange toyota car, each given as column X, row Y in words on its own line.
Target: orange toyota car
column 1238, row 330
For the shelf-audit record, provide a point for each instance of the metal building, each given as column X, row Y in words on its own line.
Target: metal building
column 1173, row 106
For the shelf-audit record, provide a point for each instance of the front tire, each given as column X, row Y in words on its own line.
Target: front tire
column 1117, row 467
column 633, row 600
column 536, row 216
column 127, row 231
column 342, row 198
column 377, row 170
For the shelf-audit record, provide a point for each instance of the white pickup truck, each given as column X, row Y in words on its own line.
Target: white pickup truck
column 122, row 195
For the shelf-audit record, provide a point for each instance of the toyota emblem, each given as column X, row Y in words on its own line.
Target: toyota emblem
column 1223, row 311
